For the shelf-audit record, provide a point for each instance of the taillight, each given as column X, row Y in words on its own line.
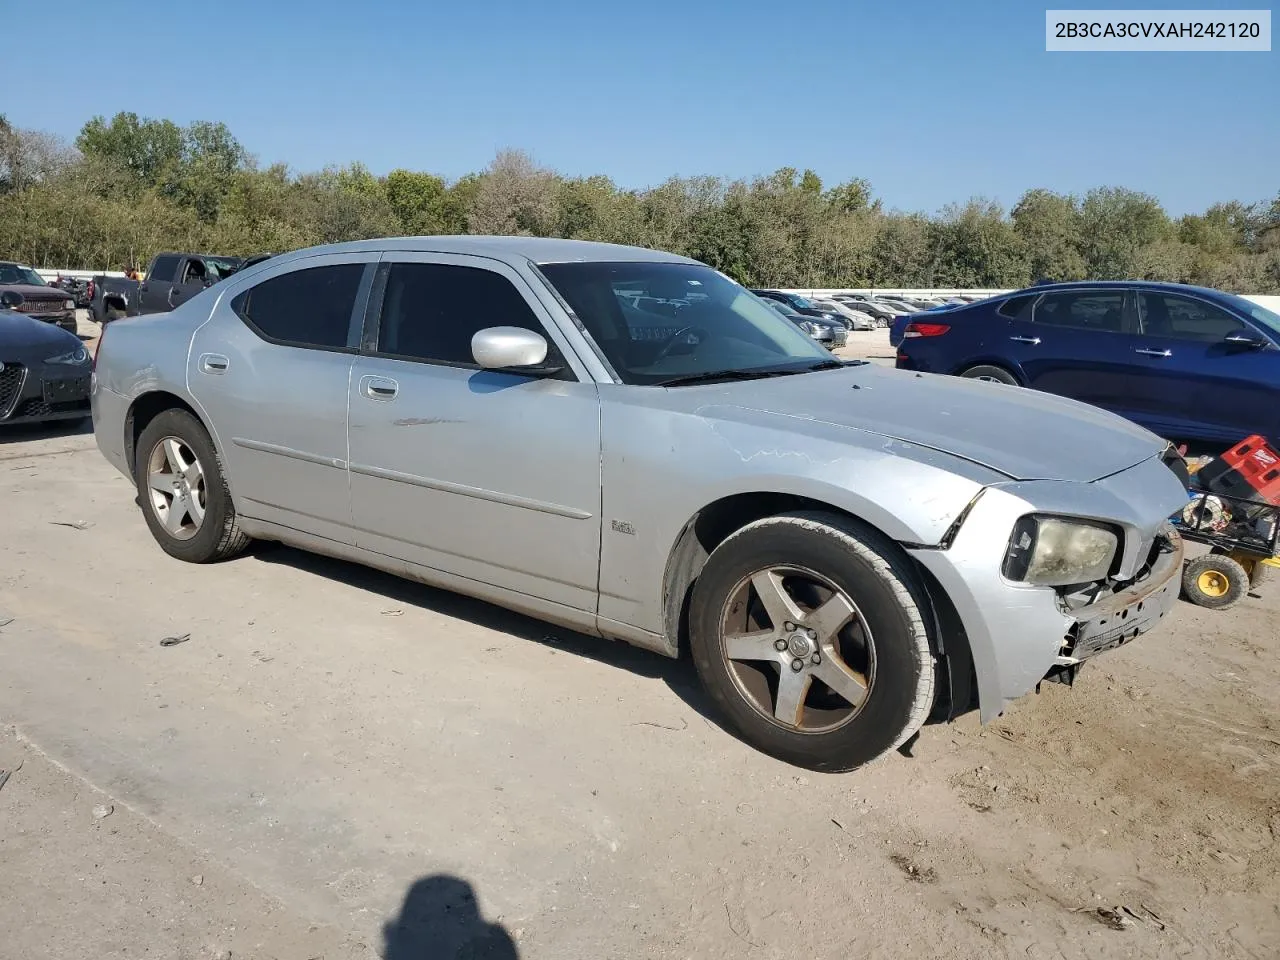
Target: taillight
column 925, row 330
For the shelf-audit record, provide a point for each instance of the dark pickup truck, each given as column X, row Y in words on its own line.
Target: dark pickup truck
column 171, row 279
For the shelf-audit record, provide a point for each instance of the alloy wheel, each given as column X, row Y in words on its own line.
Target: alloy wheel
column 176, row 488
column 798, row 649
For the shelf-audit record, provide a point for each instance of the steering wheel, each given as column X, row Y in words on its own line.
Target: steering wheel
column 672, row 340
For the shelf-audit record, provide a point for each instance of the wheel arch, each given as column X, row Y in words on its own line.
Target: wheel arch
column 146, row 407
column 714, row 523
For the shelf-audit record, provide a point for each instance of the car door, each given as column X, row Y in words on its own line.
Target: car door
column 1076, row 343
column 1190, row 383
column 489, row 475
column 270, row 370
column 153, row 291
column 191, row 279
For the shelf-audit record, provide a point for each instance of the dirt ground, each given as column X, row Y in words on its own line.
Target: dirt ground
column 341, row 764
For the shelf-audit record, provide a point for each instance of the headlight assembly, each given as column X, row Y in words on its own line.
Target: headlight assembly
column 74, row 358
column 68, row 305
column 1060, row 551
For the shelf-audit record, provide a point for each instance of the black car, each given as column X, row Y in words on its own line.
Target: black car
column 804, row 306
column 44, row 370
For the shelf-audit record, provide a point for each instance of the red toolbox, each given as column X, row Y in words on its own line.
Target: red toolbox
column 1250, row 470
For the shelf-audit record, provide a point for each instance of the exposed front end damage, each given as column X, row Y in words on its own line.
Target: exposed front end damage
column 1020, row 634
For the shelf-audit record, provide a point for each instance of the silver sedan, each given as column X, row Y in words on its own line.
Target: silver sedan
column 627, row 443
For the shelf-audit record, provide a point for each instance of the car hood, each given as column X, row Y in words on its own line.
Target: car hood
column 24, row 338
column 1023, row 434
column 33, row 291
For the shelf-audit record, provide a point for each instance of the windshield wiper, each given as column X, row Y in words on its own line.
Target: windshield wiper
column 759, row 373
column 710, row 376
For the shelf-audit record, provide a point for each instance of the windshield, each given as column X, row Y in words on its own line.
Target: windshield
column 660, row 321
column 1267, row 319
column 221, row 267
column 16, row 273
column 802, row 303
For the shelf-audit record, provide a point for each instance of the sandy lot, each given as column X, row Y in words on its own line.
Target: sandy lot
column 340, row 764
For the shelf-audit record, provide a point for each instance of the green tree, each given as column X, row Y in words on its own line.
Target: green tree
column 1048, row 225
column 1115, row 225
column 145, row 148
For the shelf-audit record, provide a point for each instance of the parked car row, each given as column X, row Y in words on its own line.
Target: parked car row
column 859, row 311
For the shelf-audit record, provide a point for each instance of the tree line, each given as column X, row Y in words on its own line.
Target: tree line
column 130, row 186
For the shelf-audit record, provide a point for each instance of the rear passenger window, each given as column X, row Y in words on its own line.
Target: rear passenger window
column 305, row 308
column 1101, row 312
column 1017, row 308
column 431, row 311
column 164, row 268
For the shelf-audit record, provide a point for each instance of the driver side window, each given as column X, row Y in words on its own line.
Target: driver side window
column 1181, row 318
column 431, row 311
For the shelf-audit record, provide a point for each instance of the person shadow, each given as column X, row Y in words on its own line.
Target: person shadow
column 440, row 920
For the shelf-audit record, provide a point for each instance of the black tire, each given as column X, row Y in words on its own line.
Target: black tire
column 219, row 536
column 886, row 592
column 991, row 372
column 1215, row 581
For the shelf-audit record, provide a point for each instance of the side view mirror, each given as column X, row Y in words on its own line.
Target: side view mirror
column 503, row 348
column 12, row 299
column 1244, row 340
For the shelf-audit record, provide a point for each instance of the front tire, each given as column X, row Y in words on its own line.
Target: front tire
column 807, row 631
column 182, row 492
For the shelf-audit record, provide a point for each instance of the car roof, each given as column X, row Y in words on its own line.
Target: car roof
column 536, row 249
column 1119, row 285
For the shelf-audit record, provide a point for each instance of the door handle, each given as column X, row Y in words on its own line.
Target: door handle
column 1153, row 353
column 1034, row 341
column 379, row 388
column 213, row 363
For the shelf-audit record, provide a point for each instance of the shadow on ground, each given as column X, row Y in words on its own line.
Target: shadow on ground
column 27, row 432
column 440, row 920
column 678, row 675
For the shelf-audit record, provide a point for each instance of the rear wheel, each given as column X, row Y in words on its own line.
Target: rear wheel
column 992, row 374
column 806, row 629
column 183, row 495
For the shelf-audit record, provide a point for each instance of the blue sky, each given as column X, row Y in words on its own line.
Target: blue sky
column 933, row 102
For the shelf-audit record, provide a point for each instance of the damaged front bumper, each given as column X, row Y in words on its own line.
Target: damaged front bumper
column 1018, row 633
column 1132, row 610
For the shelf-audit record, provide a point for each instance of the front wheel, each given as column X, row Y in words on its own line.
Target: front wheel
column 807, row 631
column 182, row 492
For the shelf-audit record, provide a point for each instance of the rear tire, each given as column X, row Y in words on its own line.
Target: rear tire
column 182, row 492
column 813, row 568
column 991, row 373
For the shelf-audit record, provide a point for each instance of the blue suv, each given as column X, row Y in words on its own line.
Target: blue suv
column 1186, row 362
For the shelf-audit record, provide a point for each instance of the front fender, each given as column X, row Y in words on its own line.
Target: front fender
column 659, row 469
